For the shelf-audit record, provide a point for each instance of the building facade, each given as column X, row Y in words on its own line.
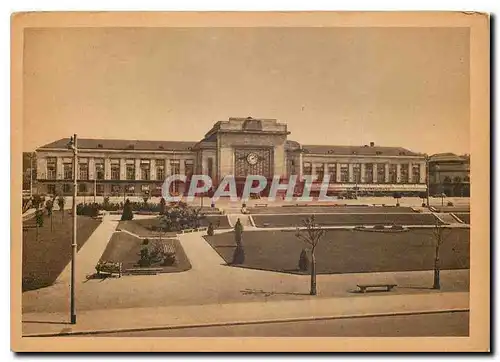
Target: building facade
column 449, row 174
column 238, row 147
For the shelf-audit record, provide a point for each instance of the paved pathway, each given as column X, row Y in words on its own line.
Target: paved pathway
column 239, row 313
column 91, row 252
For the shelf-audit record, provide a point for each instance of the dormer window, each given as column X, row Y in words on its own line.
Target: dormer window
column 130, row 147
column 161, row 147
column 99, row 145
column 378, row 153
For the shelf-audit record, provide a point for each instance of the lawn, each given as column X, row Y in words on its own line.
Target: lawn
column 345, row 251
column 345, row 219
column 328, row 208
column 45, row 259
column 126, row 248
column 147, row 227
column 465, row 217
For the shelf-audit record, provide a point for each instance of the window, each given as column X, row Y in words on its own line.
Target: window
column 68, row 168
column 175, row 168
column 130, row 189
column 145, row 189
column 145, row 169
column 82, row 187
column 381, row 173
column 393, row 174
column 83, row 165
column 130, row 169
column 320, row 172
column 344, row 172
column 115, row 169
column 99, row 168
column 415, row 173
column 99, row 189
column 51, row 189
column 160, row 170
column 404, row 173
column 188, row 168
column 307, row 168
column 51, row 168
column 66, row 188
column 369, row 173
column 356, row 172
column 115, row 189
column 332, row 171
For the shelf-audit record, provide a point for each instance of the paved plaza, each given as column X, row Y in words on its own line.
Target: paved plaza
column 212, row 284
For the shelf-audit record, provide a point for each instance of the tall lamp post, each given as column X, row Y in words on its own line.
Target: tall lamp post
column 427, row 179
column 72, row 145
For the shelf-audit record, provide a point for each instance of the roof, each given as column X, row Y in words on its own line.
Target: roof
column 447, row 157
column 359, row 150
column 115, row 144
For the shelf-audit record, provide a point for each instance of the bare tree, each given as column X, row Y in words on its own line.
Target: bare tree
column 438, row 236
column 311, row 234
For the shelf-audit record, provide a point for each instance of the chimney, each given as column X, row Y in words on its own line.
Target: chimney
column 372, row 144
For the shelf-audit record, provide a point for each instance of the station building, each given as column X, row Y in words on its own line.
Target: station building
column 238, row 147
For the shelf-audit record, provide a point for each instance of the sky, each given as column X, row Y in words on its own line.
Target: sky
column 405, row 87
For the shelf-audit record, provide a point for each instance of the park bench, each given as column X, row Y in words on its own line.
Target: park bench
column 260, row 205
column 144, row 271
column 109, row 269
column 364, row 287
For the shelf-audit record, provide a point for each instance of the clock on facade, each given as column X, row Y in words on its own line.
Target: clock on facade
column 252, row 158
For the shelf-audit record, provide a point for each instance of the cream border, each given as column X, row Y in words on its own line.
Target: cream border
column 480, row 150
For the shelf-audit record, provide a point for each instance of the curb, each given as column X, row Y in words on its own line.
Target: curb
column 238, row 323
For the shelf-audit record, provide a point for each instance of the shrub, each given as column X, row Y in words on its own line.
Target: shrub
column 145, row 259
column 379, row 227
column 163, row 206
column 304, row 261
column 239, row 255
column 127, row 211
column 91, row 210
column 449, row 203
column 210, row 230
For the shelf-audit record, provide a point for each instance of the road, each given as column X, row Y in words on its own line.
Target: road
column 437, row 324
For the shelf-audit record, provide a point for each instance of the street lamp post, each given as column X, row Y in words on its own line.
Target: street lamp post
column 95, row 187
column 31, row 175
column 73, row 146
column 427, row 176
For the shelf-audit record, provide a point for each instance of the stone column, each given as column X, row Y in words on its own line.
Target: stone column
column 375, row 173
column 423, row 173
column 123, row 169
column 182, row 168
column 301, row 166
column 137, row 169
column 363, row 170
column 59, row 168
column 152, row 169
column 386, row 172
column 107, row 168
column 398, row 173
column 410, row 173
column 351, row 173
column 92, row 175
column 338, row 173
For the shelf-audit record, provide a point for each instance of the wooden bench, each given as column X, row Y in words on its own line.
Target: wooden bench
column 364, row 287
column 144, row 271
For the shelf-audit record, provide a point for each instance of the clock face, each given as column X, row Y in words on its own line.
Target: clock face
column 252, row 158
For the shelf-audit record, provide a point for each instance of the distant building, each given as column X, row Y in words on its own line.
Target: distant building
column 449, row 174
column 29, row 171
column 238, row 147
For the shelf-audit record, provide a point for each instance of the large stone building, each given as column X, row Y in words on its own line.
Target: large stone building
column 449, row 174
column 239, row 147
